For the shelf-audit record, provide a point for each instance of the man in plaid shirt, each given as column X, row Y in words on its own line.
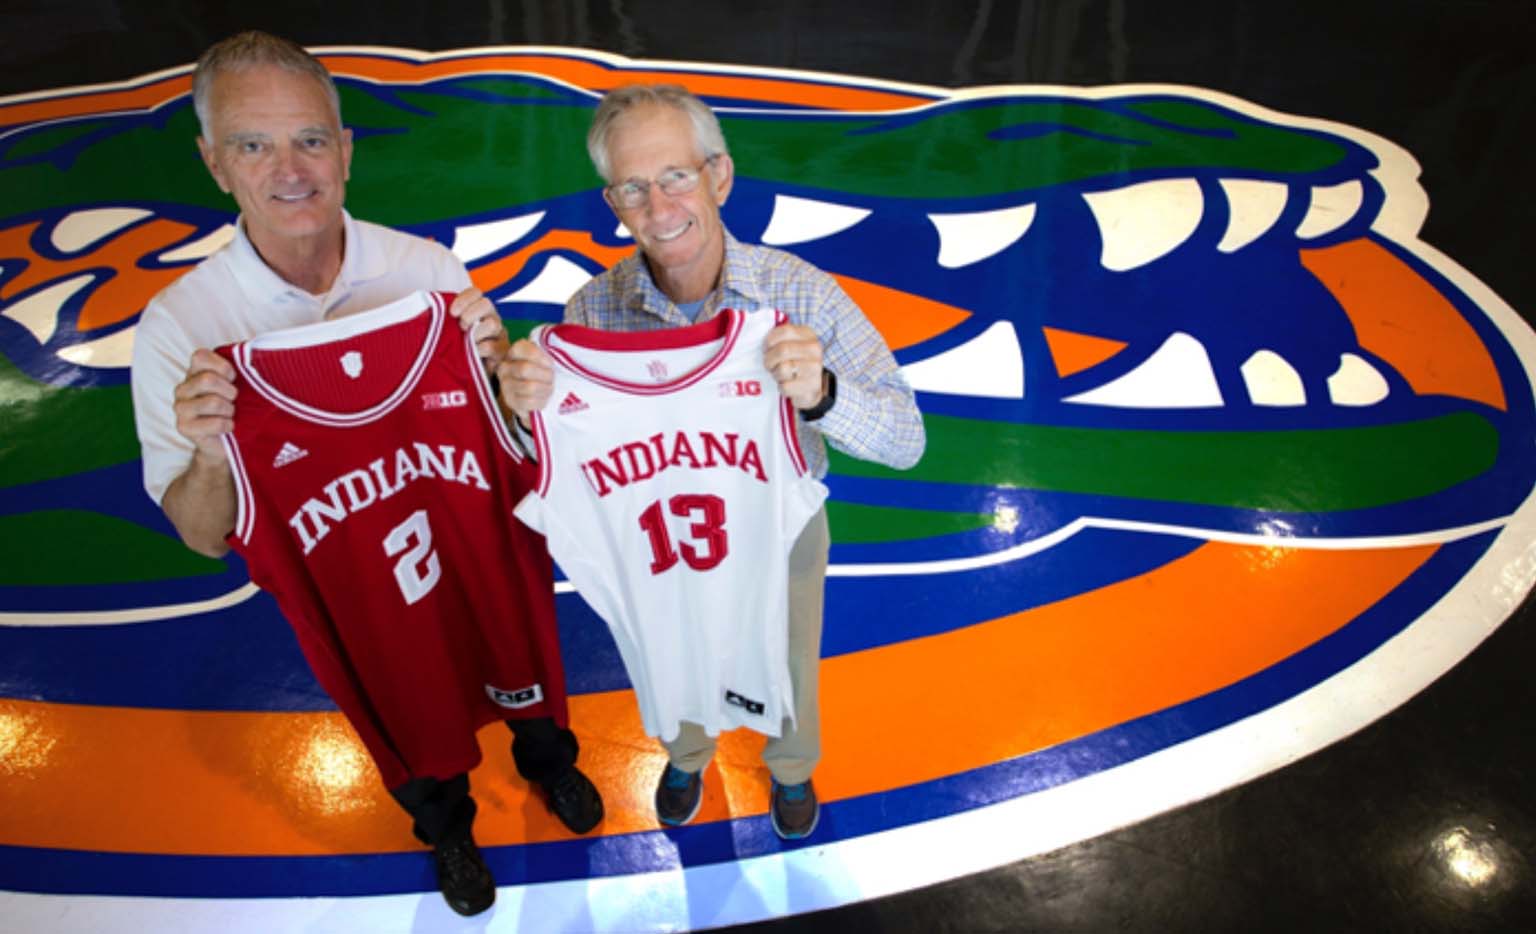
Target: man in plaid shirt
column 663, row 156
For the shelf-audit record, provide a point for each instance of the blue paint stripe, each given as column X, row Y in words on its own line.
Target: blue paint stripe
column 246, row 657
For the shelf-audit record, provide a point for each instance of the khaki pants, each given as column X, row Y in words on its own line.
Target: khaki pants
column 793, row 756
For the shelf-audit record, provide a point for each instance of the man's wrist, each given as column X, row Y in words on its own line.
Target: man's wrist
column 828, row 397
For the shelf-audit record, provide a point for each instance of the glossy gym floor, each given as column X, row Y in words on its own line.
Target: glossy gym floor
column 1206, row 609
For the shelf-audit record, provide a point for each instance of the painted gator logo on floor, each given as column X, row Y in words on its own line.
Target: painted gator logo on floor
column 1180, row 358
column 1138, row 305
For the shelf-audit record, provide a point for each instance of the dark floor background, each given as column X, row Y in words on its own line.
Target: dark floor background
column 1343, row 840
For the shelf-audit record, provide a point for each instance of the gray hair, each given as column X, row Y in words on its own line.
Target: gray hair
column 707, row 138
column 247, row 50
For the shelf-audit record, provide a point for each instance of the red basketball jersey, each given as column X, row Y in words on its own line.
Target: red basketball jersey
column 375, row 483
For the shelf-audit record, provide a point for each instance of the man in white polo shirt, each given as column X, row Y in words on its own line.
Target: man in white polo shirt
column 272, row 138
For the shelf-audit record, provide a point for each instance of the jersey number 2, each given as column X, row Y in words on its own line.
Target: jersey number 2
column 418, row 569
column 707, row 526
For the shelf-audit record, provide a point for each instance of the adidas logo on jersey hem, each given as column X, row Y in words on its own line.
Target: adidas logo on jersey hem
column 515, row 699
column 745, row 703
column 290, row 452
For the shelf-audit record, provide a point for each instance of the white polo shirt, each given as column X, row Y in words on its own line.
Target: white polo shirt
column 233, row 295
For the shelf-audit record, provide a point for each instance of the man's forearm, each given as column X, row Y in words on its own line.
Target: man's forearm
column 201, row 505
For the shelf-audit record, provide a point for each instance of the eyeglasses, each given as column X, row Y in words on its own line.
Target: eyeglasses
column 632, row 193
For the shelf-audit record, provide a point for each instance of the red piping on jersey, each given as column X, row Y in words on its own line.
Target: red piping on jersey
column 727, row 324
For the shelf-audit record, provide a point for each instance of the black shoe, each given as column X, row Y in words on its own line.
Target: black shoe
column 678, row 796
column 795, row 810
column 573, row 799
column 462, row 876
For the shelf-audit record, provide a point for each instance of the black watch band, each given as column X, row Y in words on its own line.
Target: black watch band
column 828, row 397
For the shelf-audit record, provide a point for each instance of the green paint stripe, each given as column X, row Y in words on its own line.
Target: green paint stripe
column 69, row 547
column 53, row 432
column 856, row 523
column 449, row 157
column 1321, row 470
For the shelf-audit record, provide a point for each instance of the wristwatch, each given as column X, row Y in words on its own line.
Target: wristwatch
column 828, row 396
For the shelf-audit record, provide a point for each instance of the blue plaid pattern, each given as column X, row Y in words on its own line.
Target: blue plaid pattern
column 875, row 417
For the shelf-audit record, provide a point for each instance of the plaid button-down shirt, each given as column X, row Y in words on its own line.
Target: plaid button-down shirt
column 875, row 417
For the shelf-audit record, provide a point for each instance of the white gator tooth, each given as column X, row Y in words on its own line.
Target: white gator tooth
column 477, row 241
column 970, row 238
column 1253, row 207
column 1178, row 375
column 1356, row 383
column 39, row 312
column 200, row 248
column 1331, row 208
column 799, row 220
column 1141, row 222
column 1272, row 381
column 989, row 364
column 85, row 228
column 555, row 283
column 114, row 350
column 622, row 232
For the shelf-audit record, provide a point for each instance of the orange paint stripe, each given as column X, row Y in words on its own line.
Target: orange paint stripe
column 902, row 318
column 494, row 274
column 1035, row 679
column 578, row 72
column 124, row 288
column 162, row 781
column 101, row 102
column 1073, row 352
column 598, row 77
column 1401, row 318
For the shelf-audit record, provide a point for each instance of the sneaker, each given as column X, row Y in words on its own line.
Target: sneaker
column 573, row 799
column 795, row 810
column 462, row 876
column 678, row 796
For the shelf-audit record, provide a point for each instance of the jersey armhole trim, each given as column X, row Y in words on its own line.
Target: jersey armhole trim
column 245, row 503
column 488, row 401
column 541, row 451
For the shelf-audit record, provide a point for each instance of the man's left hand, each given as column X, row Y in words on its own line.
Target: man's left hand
column 792, row 353
column 476, row 313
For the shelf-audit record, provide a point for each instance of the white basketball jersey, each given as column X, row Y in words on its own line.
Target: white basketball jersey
column 671, row 490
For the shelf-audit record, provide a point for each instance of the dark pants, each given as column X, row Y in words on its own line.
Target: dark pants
column 443, row 810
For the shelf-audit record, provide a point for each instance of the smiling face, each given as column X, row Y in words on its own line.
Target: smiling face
column 278, row 149
column 681, row 235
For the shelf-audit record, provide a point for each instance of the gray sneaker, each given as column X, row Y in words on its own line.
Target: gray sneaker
column 678, row 796
column 795, row 810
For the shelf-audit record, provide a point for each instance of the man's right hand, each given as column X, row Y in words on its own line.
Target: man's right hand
column 527, row 377
column 201, row 501
column 205, row 404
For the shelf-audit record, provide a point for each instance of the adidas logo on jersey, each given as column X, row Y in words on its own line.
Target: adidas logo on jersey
column 289, row 453
column 444, row 400
column 572, row 403
column 521, row 697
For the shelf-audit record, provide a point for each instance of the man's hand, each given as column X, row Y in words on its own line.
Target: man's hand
column 478, row 314
column 201, row 501
column 792, row 353
column 527, row 378
column 205, row 404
